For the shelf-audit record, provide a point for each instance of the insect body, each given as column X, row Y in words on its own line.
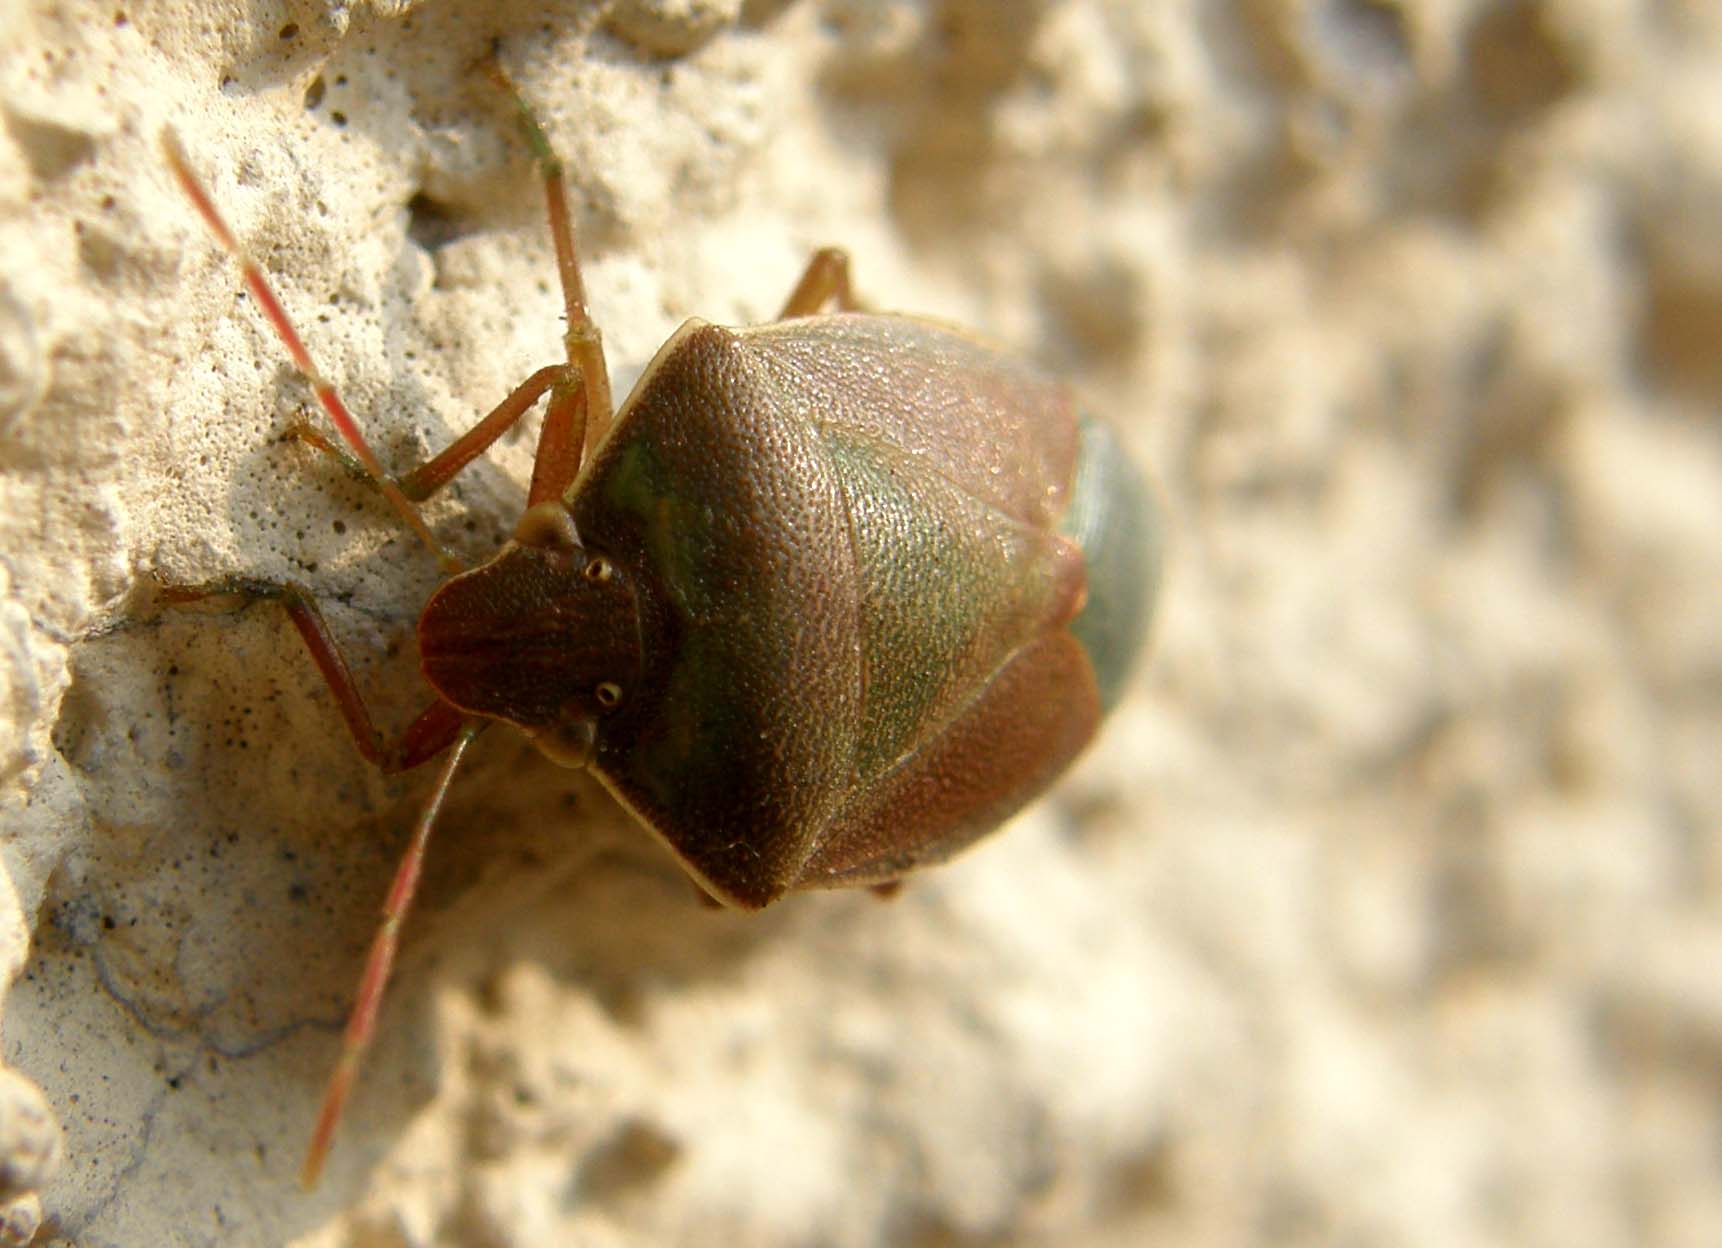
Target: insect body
column 808, row 611
column 825, row 601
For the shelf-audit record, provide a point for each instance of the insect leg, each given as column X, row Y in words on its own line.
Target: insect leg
column 559, row 440
column 426, row 737
column 560, row 379
column 584, row 342
column 326, row 393
column 825, row 280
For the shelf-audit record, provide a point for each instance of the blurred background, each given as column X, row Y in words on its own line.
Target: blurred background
column 1386, row 910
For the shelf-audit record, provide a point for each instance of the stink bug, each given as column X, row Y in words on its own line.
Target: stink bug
column 823, row 602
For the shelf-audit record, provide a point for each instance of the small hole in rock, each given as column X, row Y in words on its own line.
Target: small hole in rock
column 433, row 224
column 636, row 1157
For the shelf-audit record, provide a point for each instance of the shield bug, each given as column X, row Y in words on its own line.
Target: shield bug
column 824, row 601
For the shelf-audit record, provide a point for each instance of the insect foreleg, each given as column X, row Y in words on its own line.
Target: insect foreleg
column 564, row 427
column 422, row 740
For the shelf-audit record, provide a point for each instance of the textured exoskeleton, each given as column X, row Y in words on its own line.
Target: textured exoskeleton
column 840, row 594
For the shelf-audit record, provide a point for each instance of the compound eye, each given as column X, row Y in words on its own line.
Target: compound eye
column 600, row 570
column 609, row 694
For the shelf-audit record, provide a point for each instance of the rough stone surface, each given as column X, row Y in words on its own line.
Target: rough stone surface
column 1388, row 909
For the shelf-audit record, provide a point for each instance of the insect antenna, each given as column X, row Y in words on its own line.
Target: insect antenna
column 362, row 1022
column 325, row 391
